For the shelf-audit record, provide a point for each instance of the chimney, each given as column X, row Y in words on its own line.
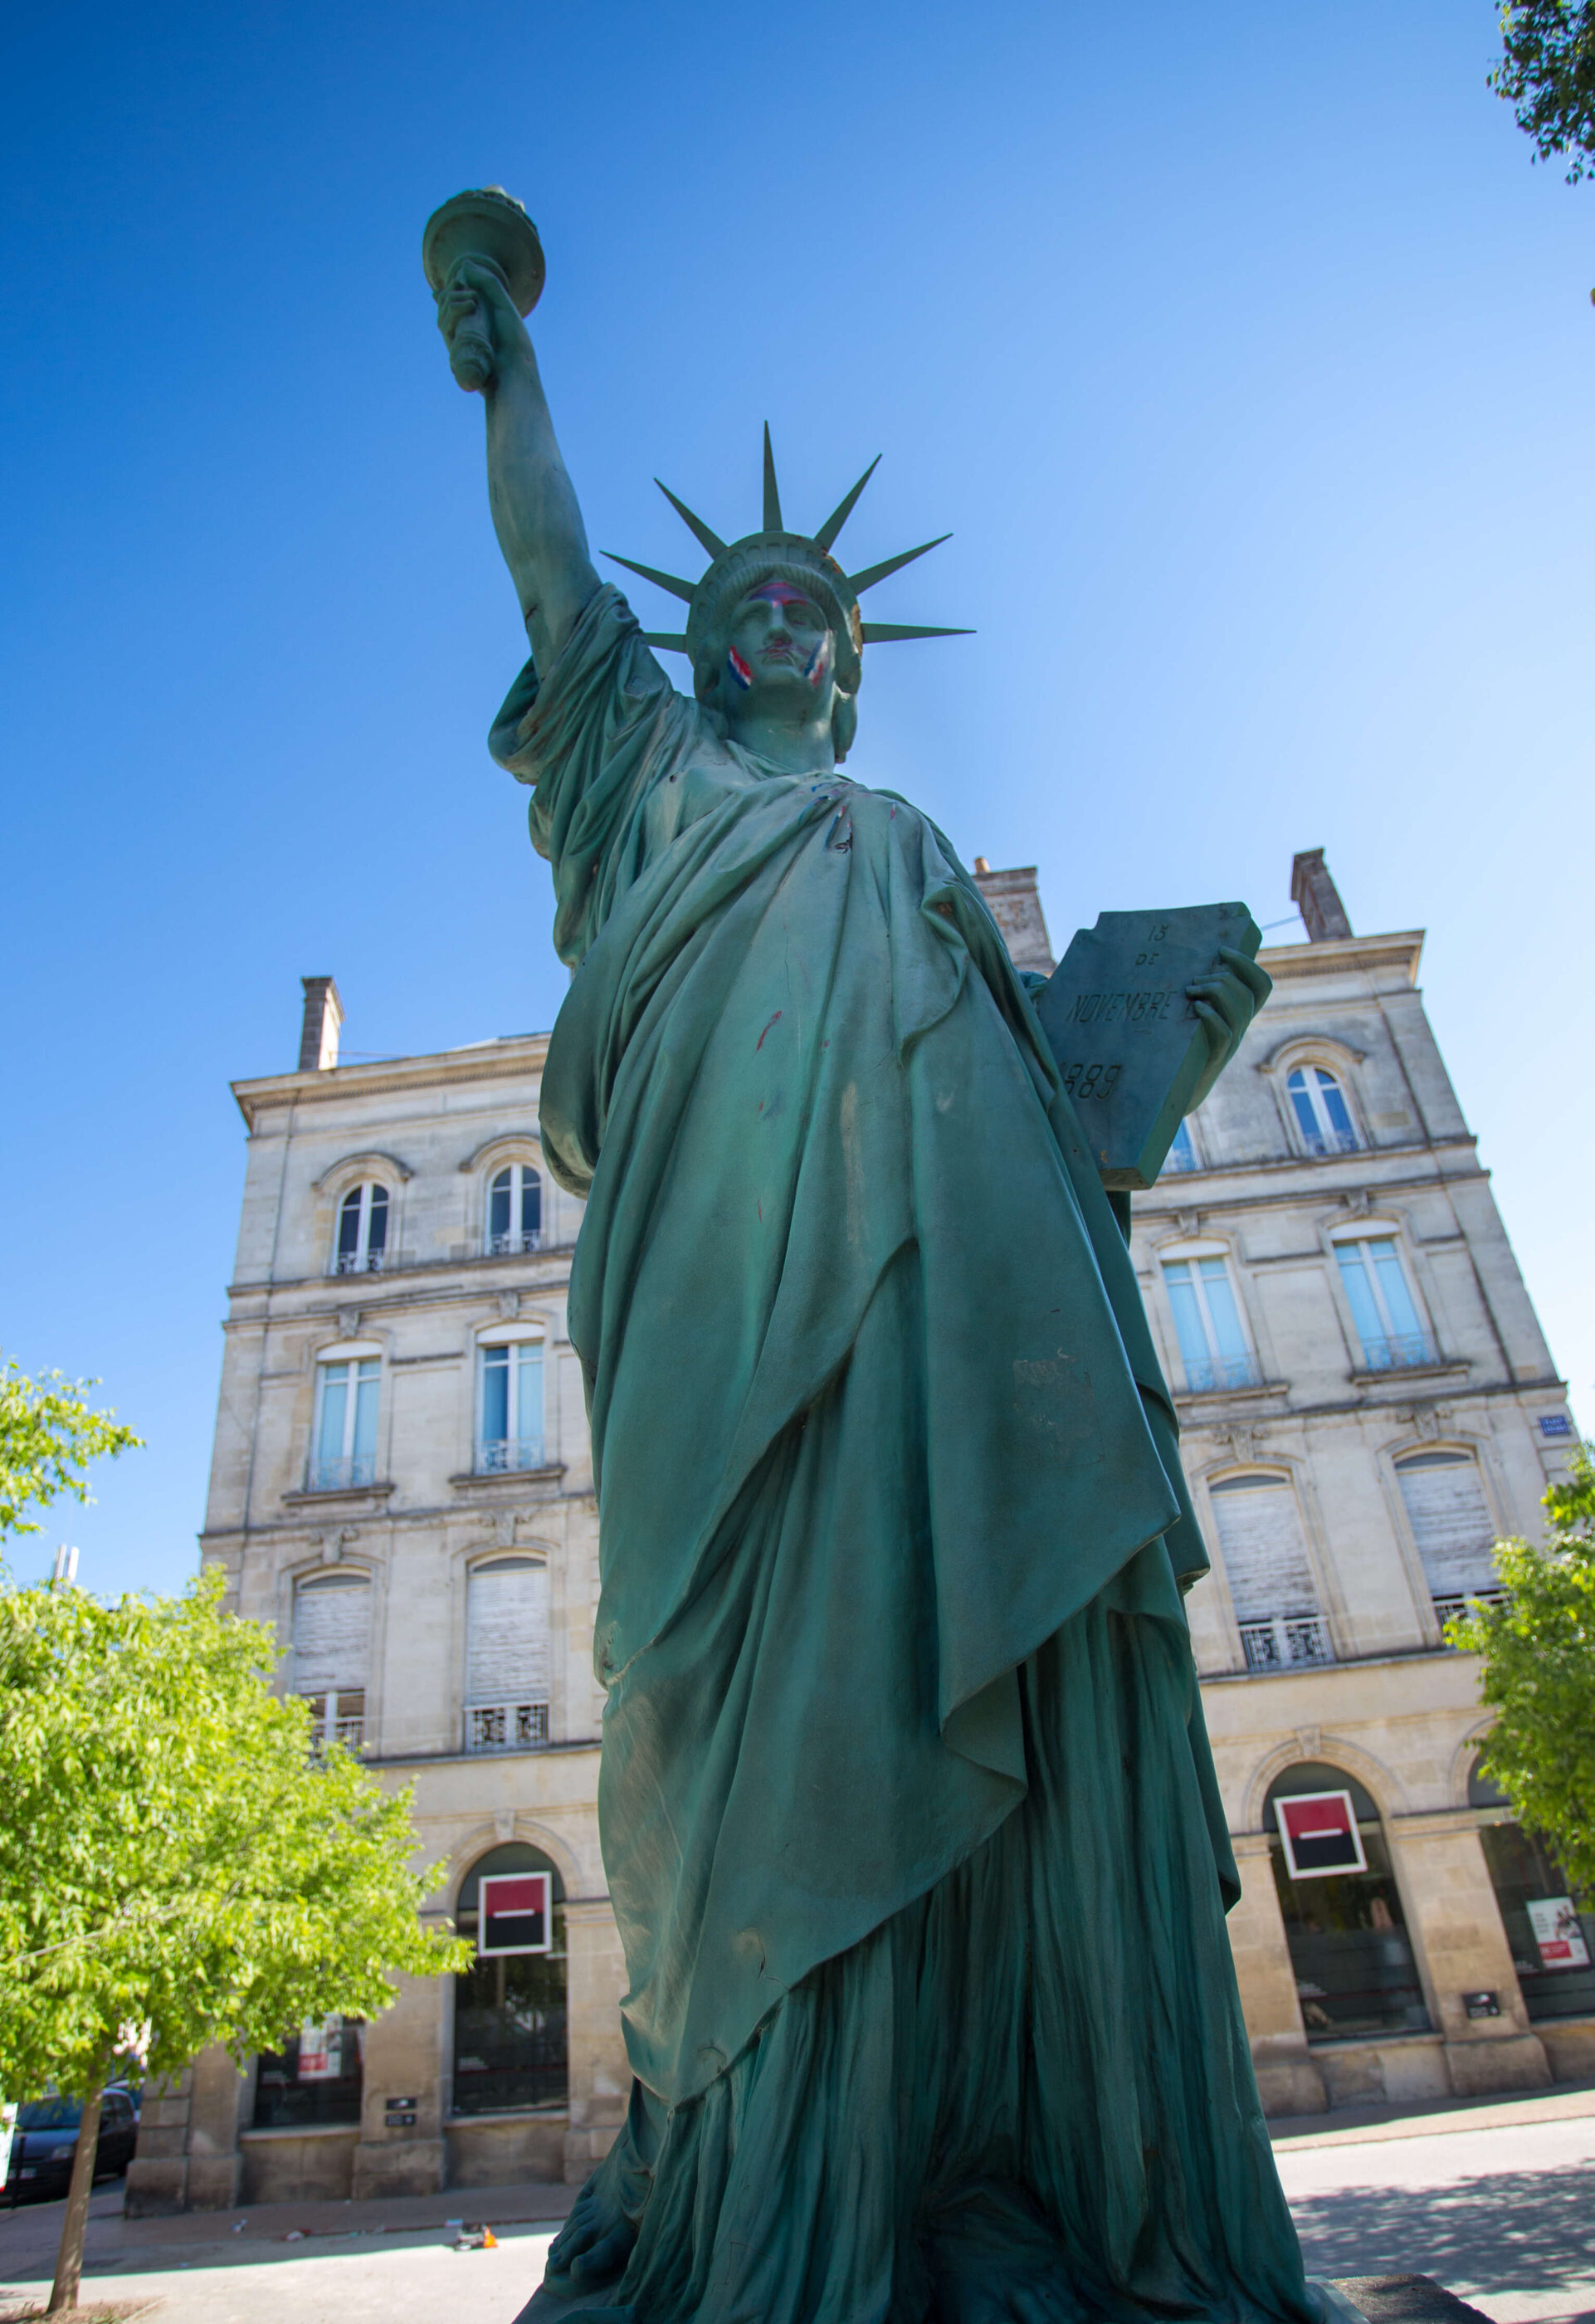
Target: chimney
column 324, row 1013
column 1316, row 898
column 1015, row 908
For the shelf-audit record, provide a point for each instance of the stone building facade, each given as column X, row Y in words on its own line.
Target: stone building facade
column 401, row 1484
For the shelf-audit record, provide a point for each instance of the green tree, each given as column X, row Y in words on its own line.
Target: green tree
column 1538, row 1646
column 1547, row 71
column 178, row 1866
column 48, row 1434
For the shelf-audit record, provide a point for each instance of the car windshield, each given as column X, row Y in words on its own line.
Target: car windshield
column 51, row 2113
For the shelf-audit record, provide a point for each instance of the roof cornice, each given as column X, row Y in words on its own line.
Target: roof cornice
column 484, row 1061
column 1339, row 955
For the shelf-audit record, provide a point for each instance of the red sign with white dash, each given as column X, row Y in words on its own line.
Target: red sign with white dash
column 1319, row 1832
column 517, row 1911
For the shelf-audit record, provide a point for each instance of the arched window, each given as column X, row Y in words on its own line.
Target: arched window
column 511, row 1406
column 1349, row 1948
column 1264, row 1553
column 348, row 1390
column 515, row 1210
column 1214, row 1347
column 1452, row 1526
column 361, row 1231
column 1182, row 1153
column 507, row 1655
column 1552, row 1942
column 331, row 1652
column 1324, row 1119
column 509, row 2012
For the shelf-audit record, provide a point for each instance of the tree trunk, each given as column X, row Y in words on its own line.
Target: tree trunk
column 68, row 2265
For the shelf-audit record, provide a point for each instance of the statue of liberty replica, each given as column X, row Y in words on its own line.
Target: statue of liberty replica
column 908, row 1811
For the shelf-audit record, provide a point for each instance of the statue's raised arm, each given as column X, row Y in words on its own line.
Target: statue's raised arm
column 534, row 511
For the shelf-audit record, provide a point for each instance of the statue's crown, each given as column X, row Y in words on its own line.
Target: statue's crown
column 739, row 566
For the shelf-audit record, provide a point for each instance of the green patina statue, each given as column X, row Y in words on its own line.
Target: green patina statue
column 908, row 1812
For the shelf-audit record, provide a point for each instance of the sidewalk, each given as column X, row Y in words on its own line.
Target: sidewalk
column 1365, row 2125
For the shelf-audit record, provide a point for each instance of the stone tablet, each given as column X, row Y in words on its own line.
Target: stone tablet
column 1130, row 1046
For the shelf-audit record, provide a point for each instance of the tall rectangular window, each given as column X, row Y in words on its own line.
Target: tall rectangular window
column 1212, row 1342
column 507, row 1655
column 345, row 1424
column 511, row 1406
column 1264, row 1553
column 331, row 1649
column 1452, row 1526
column 1382, row 1305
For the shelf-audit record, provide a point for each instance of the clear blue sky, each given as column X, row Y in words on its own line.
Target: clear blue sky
column 1241, row 347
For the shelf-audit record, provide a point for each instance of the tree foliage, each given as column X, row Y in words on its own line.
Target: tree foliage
column 1538, row 1646
column 173, row 1856
column 1547, row 71
column 48, row 1434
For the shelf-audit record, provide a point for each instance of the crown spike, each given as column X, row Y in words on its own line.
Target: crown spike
column 666, row 641
column 859, row 582
column 890, row 633
column 685, row 590
column 839, row 515
column 773, row 499
column 707, row 540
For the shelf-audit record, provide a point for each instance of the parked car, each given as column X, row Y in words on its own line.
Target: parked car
column 46, row 2140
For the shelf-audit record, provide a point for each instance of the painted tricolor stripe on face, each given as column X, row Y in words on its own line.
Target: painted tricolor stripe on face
column 517, row 1914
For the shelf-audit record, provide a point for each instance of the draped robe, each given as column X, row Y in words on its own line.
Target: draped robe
column 875, row 1417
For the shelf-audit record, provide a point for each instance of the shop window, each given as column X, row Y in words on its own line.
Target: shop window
column 345, row 1454
column 509, row 2010
column 361, row 1231
column 515, row 1210
column 1552, row 1942
column 1264, row 1553
column 316, row 2077
column 1214, row 1347
column 331, row 1650
column 1452, row 1526
column 1323, row 1119
column 1348, row 1949
column 507, row 1655
column 511, row 1407
column 1383, row 1309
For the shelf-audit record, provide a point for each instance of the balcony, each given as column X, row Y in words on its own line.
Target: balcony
column 503, row 1456
column 362, row 1263
column 1405, row 1352
column 346, row 1475
column 337, row 1719
column 509, row 1246
column 1206, row 1374
column 1286, row 1642
column 1319, row 1142
column 506, row 1726
column 1452, row 1608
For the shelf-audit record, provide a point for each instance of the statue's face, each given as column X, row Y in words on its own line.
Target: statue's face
column 781, row 654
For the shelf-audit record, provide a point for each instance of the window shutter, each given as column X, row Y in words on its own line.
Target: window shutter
column 507, row 1655
column 1264, row 1553
column 1452, row 1521
column 331, row 1638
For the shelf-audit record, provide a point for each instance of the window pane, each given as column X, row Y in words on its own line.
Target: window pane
column 1365, row 1313
column 1265, row 1555
column 498, row 1221
column 1187, row 1313
column 531, row 1202
column 495, row 1393
column 1225, row 1315
column 349, row 1224
column 1182, row 1152
column 376, row 1232
column 1392, row 1281
column 1450, row 1522
column 1303, row 1102
column 528, row 1393
column 331, row 1636
column 335, row 1397
column 1332, row 1102
column 367, row 1390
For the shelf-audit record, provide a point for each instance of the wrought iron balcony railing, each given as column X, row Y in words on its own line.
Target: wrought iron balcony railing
column 344, row 1475
column 506, row 1726
column 505, row 1246
column 1330, row 1141
column 1286, row 1640
column 1399, row 1353
column 1206, row 1373
column 362, row 1263
column 502, row 1455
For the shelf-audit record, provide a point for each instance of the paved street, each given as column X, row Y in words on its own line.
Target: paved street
column 1496, row 2200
